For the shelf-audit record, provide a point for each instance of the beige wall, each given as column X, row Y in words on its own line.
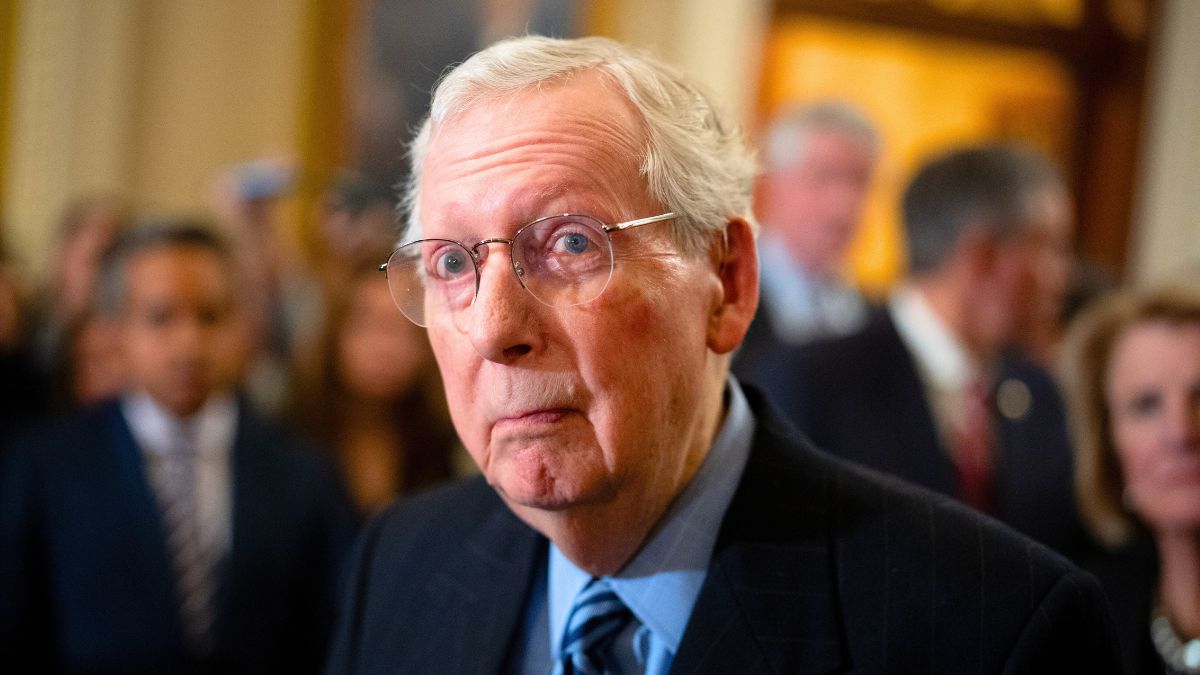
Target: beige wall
column 717, row 41
column 1166, row 236
column 146, row 98
column 151, row 97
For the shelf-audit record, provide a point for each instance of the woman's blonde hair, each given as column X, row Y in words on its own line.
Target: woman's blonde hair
column 1086, row 357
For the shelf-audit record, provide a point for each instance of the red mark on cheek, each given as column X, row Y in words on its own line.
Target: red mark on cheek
column 640, row 318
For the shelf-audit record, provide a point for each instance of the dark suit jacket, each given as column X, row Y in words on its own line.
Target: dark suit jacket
column 760, row 348
column 861, row 398
column 85, row 576
column 1129, row 577
column 819, row 567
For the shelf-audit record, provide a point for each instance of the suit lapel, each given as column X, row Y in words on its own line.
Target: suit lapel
column 260, row 515
column 251, row 503
column 918, row 453
column 145, row 545
column 487, row 596
column 769, row 602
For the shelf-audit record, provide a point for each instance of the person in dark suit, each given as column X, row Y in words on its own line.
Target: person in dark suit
column 172, row 529
column 638, row 511
column 818, row 164
column 927, row 390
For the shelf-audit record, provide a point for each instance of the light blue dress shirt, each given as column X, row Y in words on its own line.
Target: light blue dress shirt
column 800, row 306
column 660, row 584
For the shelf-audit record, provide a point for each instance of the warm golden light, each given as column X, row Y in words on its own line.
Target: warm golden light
column 924, row 94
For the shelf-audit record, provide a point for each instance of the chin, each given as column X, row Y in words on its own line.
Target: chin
column 1175, row 515
column 539, row 491
column 542, row 486
column 185, row 406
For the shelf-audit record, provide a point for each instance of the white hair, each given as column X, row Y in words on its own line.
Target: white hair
column 694, row 161
column 788, row 134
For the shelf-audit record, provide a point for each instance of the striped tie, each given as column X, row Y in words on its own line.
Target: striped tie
column 596, row 618
column 191, row 558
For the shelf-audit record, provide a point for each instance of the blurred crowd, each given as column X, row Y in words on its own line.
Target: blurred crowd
column 327, row 354
column 959, row 380
column 1001, row 370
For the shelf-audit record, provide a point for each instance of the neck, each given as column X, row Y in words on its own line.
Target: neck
column 1179, row 583
column 601, row 538
column 949, row 302
column 369, row 410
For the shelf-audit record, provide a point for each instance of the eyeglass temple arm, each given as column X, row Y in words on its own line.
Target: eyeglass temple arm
column 641, row 221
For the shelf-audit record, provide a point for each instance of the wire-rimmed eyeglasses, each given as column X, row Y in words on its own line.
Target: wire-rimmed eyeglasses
column 561, row 260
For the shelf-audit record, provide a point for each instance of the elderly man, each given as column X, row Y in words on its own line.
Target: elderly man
column 644, row 513
column 818, row 165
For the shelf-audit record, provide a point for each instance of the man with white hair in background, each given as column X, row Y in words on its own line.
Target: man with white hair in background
column 579, row 251
column 818, row 163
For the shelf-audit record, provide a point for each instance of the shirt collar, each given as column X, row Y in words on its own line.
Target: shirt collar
column 660, row 584
column 941, row 358
column 157, row 430
column 803, row 306
column 784, row 280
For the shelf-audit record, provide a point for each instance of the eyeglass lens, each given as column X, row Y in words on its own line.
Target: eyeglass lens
column 560, row 260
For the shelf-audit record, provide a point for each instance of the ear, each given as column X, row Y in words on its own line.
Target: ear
column 737, row 268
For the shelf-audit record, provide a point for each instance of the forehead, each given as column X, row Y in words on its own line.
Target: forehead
column 1051, row 212
column 1151, row 348
column 577, row 143
column 173, row 265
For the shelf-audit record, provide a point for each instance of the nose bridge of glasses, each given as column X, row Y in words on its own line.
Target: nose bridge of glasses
column 480, row 252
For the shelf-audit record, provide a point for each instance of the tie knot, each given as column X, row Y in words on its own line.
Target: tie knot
column 596, row 618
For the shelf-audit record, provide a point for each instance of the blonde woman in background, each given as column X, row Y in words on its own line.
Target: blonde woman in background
column 1132, row 378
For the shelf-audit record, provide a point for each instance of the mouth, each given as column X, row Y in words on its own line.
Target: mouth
column 534, row 417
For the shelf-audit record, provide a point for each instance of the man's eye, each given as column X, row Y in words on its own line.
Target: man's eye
column 158, row 317
column 450, row 264
column 212, row 316
column 573, row 242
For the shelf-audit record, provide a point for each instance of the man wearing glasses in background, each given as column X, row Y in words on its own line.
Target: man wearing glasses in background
column 638, row 511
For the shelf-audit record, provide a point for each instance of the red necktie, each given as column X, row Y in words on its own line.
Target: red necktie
column 973, row 449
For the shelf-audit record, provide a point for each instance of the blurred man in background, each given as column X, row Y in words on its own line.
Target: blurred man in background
column 818, row 163
column 170, row 529
column 927, row 390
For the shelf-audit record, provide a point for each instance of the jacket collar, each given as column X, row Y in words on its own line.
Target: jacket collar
column 769, row 603
column 486, row 597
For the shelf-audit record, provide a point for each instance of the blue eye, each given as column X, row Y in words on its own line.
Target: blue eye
column 450, row 263
column 574, row 242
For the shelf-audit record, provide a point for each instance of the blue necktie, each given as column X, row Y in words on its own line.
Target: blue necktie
column 596, row 619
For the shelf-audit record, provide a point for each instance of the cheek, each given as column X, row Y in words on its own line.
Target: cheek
column 1133, row 458
column 1141, row 454
column 459, row 380
column 650, row 354
column 141, row 348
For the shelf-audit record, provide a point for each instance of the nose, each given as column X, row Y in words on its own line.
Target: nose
column 501, row 323
column 189, row 333
column 1184, row 422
